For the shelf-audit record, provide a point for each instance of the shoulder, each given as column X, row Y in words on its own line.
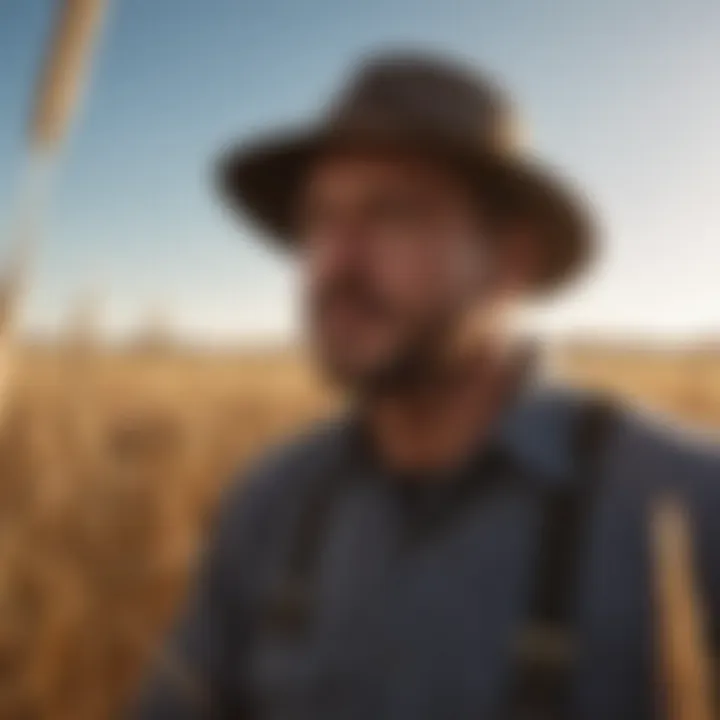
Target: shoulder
column 664, row 458
column 666, row 453
column 651, row 457
column 252, row 526
column 641, row 449
column 279, row 478
column 255, row 513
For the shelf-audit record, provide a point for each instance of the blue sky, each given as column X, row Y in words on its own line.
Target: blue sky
column 624, row 95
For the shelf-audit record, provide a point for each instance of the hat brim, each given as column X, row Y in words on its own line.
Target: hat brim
column 262, row 181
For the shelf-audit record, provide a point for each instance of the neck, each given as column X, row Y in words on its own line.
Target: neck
column 435, row 425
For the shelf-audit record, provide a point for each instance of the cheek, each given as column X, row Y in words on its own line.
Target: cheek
column 434, row 274
column 408, row 273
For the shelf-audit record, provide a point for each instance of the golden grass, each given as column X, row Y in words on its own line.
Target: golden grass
column 111, row 465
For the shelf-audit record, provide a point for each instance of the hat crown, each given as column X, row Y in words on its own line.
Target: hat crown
column 427, row 95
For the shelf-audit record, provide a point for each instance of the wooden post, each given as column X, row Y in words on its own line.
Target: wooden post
column 683, row 662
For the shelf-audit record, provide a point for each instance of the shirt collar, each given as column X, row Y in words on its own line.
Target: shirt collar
column 535, row 430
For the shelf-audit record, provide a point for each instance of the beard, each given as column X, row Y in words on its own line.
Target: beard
column 419, row 357
column 375, row 347
column 413, row 365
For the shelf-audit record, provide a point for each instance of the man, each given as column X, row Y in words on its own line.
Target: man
column 468, row 542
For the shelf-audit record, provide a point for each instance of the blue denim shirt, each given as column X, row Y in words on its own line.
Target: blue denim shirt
column 419, row 630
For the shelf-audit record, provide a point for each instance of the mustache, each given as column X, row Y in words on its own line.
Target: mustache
column 351, row 292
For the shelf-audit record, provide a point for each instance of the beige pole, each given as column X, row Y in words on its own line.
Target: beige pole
column 65, row 71
column 57, row 98
column 684, row 666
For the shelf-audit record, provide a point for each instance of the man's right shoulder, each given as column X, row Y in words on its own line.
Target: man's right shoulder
column 280, row 478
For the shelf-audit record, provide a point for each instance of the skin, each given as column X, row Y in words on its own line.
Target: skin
column 410, row 297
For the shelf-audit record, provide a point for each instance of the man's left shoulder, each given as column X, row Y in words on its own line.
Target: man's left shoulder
column 665, row 453
column 651, row 457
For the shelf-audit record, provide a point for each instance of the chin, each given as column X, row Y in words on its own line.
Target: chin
column 345, row 365
column 349, row 373
column 377, row 375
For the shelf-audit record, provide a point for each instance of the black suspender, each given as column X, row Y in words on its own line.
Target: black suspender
column 290, row 608
column 544, row 653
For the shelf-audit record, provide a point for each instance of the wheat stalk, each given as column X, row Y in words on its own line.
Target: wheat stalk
column 56, row 101
column 684, row 659
column 65, row 71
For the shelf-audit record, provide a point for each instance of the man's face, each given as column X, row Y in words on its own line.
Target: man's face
column 393, row 259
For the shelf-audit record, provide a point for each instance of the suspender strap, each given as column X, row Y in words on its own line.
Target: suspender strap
column 544, row 654
column 290, row 609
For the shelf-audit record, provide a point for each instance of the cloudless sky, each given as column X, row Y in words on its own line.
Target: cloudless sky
column 623, row 95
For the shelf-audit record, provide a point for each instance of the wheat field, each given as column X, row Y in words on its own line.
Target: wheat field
column 111, row 466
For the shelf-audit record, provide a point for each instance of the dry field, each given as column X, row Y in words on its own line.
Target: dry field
column 110, row 467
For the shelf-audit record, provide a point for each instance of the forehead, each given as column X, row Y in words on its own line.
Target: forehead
column 341, row 172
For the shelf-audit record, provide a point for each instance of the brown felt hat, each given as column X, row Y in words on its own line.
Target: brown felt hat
column 428, row 105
